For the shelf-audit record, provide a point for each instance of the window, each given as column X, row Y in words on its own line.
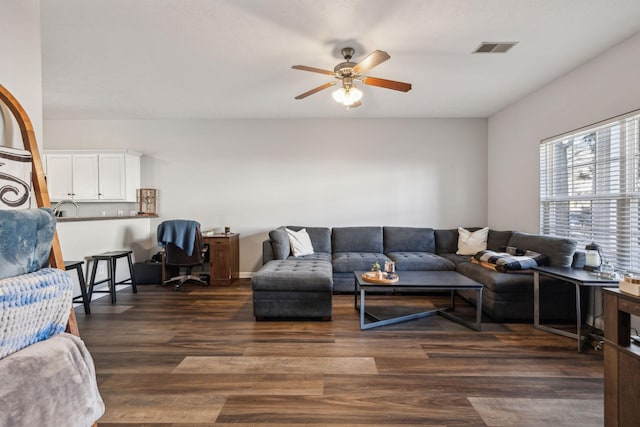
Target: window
column 590, row 188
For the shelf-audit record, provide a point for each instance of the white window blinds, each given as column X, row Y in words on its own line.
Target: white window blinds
column 590, row 188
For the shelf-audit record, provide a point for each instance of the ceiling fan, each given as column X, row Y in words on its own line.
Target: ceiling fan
column 348, row 73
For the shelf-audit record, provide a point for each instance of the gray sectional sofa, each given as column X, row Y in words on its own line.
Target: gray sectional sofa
column 288, row 286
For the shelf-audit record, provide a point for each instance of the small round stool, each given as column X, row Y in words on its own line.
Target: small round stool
column 112, row 259
column 77, row 265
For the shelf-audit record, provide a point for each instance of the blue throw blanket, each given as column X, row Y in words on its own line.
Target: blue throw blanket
column 25, row 240
column 180, row 232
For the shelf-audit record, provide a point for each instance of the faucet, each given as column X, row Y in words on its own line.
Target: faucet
column 58, row 213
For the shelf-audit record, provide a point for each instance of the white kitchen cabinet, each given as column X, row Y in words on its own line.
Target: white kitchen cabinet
column 92, row 176
column 112, row 177
column 85, row 185
column 59, row 173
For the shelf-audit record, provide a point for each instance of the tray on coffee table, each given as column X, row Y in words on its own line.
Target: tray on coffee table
column 385, row 278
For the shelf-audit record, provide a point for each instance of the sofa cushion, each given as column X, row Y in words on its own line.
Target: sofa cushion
column 25, row 240
column 559, row 250
column 316, row 256
column 293, row 275
column 456, row 259
column 345, row 262
column 409, row 239
column 280, row 243
column 417, row 261
column 320, row 237
column 357, row 239
column 447, row 240
column 498, row 239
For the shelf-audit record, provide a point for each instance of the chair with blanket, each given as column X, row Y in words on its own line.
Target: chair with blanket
column 184, row 250
column 48, row 375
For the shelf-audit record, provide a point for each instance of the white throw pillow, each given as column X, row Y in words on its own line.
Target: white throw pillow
column 470, row 243
column 300, row 242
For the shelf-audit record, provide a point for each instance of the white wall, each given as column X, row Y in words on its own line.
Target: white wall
column 606, row 86
column 21, row 68
column 255, row 175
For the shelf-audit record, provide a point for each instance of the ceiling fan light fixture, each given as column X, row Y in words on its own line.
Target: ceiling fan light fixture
column 347, row 97
column 348, row 73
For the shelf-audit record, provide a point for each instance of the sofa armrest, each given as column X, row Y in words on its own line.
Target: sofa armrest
column 559, row 250
column 267, row 252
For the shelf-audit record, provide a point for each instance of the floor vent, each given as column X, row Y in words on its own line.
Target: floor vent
column 493, row 47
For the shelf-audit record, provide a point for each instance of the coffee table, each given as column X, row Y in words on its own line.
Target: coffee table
column 419, row 281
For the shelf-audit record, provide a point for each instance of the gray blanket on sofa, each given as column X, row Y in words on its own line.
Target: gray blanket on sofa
column 51, row 383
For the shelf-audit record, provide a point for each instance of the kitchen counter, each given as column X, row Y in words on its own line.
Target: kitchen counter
column 84, row 236
column 100, row 218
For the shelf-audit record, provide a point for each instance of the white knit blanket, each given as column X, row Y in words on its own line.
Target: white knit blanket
column 33, row 307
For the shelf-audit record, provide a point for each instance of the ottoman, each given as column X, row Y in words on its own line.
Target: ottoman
column 284, row 289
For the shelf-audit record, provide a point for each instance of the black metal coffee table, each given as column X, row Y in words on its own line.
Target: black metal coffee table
column 419, row 281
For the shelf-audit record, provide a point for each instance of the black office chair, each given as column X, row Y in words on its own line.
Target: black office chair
column 177, row 264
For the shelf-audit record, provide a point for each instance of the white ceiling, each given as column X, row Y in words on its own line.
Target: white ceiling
column 158, row 59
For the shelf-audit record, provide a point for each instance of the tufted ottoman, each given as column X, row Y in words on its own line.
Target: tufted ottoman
column 293, row 289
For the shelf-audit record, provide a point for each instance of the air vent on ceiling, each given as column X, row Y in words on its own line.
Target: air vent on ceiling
column 494, row 47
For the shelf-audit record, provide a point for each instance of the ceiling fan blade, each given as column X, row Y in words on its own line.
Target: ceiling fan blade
column 313, row 70
column 375, row 58
column 318, row 89
column 354, row 105
column 388, row 84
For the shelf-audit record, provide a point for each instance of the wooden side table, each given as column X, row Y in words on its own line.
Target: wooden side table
column 621, row 360
column 224, row 254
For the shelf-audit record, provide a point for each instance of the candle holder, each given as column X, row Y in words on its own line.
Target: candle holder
column 147, row 201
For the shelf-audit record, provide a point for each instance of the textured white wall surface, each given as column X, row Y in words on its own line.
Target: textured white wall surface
column 604, row 87
column 255, row 175
column 21, row 69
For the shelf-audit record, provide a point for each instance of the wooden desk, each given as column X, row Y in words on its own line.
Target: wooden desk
column 224, row 255
column 621, row 360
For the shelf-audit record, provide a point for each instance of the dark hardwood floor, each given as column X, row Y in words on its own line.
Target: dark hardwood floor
column 198, row 358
